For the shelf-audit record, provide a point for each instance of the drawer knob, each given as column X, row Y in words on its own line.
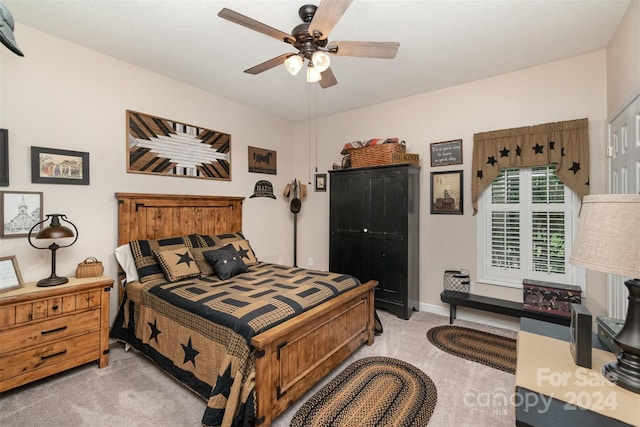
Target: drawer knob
column 61, row 328
column 55, row 307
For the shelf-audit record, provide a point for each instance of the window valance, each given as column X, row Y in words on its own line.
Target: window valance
column 563, row 143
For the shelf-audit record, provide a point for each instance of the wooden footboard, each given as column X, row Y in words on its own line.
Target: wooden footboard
column 292, row 357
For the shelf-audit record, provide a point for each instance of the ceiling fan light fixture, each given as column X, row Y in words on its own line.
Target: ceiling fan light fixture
column 313, row 75
column 321, row 61
column 293, row 64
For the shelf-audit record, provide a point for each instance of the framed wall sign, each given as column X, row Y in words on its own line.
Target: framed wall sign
column 53, row 166
column 4, row 158
column 262, row 160
column 446, row 153
column 19, row 211
column 10, row 277
column 447, row 192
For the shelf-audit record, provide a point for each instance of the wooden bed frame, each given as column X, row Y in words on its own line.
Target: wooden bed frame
column 291, row 357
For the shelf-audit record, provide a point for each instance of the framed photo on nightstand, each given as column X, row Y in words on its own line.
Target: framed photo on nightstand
column 10, row 277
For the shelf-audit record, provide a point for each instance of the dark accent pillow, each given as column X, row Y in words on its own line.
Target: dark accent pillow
column 177, row 264
column 147, row 264
column 226, row 261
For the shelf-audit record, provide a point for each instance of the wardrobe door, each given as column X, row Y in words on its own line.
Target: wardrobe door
column 386, row 230
column 347, row 216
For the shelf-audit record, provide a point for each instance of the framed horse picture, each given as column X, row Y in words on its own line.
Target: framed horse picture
column 262, row 161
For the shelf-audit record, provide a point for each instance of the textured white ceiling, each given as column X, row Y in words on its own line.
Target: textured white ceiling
column 442, row 43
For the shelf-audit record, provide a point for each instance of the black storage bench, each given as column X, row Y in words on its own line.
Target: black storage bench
column 496, row 305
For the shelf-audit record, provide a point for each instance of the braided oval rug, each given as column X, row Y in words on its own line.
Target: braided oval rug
column 374, row 391
column 489, row 349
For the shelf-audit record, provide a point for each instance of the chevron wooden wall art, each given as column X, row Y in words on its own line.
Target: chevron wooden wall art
column 165, row 147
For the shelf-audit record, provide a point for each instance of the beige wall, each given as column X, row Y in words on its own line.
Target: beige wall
column 623, row 58
column 563, row 90
column 62, row 95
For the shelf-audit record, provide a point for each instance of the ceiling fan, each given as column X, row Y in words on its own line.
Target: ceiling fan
column 310, row 38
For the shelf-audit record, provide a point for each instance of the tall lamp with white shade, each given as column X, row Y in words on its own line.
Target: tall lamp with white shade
column 608, row 240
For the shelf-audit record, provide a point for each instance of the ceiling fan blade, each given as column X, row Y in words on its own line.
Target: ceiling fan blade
column 252, row 24
column 267, row 65
column 384, row 50
column 328, row 79
column 327, row 15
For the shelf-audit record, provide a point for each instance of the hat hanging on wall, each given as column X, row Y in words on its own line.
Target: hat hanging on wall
column 263, row 189
column 6, row 30
column 296, row 191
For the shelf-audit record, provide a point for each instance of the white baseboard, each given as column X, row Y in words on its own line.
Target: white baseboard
column 477, row 316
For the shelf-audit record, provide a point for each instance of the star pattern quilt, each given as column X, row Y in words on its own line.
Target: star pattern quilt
column 199, row 330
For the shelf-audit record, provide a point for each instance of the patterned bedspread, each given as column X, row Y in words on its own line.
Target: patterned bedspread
column 199, row 330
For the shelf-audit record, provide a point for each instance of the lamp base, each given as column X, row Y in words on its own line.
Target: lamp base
column 52, row 280
column 617, row 373
column 625, row 372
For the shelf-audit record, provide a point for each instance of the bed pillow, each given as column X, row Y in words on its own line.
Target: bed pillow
column 246, row 253
column 177, row 264
column 147, row 264
column 127, row 263
column 226, row 261
column 206, row 269
column 218, row 240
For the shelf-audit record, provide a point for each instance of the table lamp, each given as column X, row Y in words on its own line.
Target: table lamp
column 53, row 231
column 608, row 240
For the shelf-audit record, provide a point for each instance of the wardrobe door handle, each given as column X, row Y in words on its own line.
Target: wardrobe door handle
column 365, row 230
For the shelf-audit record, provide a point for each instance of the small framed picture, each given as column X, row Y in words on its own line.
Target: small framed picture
column 53, row 166
column 447, row 192
column 19, row 212
column 321, row 182
column 4, row 158
column 10, row 277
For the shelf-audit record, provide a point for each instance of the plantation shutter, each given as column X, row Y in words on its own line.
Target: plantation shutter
column 529, row 218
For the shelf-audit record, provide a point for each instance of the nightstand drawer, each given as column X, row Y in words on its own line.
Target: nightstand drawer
column 38, row 333
column 14, row 364
column 50, row 307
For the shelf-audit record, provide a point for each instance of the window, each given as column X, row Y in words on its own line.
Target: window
column 525, row 228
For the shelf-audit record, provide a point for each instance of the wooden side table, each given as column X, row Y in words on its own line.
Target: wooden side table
column 47, row 330
column 551, row 390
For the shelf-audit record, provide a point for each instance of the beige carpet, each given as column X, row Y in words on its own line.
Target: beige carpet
column 129, row 392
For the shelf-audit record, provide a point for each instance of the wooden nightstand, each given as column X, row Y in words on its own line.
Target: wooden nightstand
column 44, row 331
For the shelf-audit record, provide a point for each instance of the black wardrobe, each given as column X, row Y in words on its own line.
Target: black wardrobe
column 374, row 225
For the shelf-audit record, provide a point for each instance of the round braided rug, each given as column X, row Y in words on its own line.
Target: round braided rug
column 489, row 349
column 374, row 391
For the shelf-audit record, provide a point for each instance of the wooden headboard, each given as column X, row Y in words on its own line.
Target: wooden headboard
column 154, row 216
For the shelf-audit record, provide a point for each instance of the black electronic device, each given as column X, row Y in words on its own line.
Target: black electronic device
column 581, row 335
